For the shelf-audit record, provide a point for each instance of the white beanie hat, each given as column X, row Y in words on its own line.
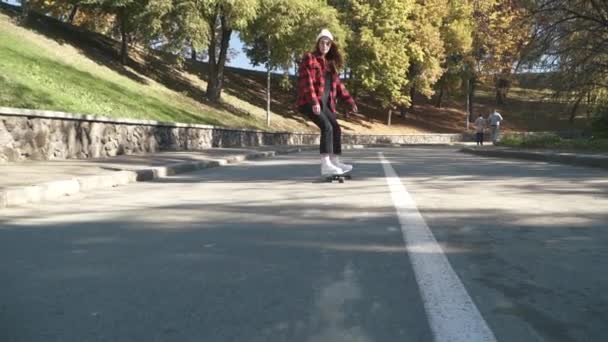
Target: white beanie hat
column 325, row 33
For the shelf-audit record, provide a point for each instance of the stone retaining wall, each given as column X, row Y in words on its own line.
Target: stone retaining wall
column 43, row 135
column 436, row 138
column 38, row 135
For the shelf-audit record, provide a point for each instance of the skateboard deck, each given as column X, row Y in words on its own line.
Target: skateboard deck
column 339, row 178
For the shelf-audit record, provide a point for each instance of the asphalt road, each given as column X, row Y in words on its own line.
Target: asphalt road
column 423, row 244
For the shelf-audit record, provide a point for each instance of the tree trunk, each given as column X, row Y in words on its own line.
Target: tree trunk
column 467, row 99
column 355, row 83
column 268, row 86
column 124, row 48
column 211, row 73
column 73, row 14
column 439, row 102
column 502, row 87
column 471, row 84
column 294, row 80
column 25, row 8
column 575, row 107
column 498, row 97
column 268, row 96
column 296, row 66
column 410, row 108
column 390, row 113
column 216, row 69
column 193, row 53
column 590, row 102
column 412, row 94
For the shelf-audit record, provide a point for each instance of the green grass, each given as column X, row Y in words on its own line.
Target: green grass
column 552, row 141
column 39, row 82
column 39, row 73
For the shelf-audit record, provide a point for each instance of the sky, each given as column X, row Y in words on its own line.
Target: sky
column 241, row 60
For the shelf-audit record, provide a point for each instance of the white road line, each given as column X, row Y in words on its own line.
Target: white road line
column 451, row 313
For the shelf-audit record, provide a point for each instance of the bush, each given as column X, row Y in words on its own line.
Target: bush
column 553, row 141
column 594, row 145
column 599, row 125
column 543, row 140
column 511, row 140
column 531, row 141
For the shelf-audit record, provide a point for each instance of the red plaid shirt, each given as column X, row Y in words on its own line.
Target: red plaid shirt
column 311, row 83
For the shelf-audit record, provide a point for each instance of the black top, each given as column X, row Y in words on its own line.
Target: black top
column 326, row 91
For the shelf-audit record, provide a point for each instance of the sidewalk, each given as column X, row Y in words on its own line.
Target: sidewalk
column 599, row 160
column 35, row 181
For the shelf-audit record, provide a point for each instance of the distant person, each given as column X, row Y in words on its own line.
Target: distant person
column 318, row 87
column 480, row 125
column 495, row 119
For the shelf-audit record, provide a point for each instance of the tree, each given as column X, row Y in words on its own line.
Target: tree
column 266, row 36
column 283, row 30
column 205, row 24
column 222, row 18
column 457, row 36
column 346, row 14
column 63, row 9
column 502, row 32
column 131, row 17
column 25, row 8
column 181, row 23
column 398, row 48
column 570, row 40
column 426, row 49
column 383, row 34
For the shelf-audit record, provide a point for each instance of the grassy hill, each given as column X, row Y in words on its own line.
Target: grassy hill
column 54, row 66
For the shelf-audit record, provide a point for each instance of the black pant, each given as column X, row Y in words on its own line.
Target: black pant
column 479, row 138
column 331, row 133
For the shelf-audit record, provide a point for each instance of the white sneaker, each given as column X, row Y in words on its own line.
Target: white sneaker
column 328, row 169
column 345, row 167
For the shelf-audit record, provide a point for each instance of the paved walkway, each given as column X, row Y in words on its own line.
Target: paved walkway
column 35, row 181
column 564, row 157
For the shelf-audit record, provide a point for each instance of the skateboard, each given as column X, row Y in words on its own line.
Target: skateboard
column 339, row 178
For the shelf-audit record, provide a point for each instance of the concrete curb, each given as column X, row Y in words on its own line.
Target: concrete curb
column 55, row 189
column 391, row 145
column 597, row 161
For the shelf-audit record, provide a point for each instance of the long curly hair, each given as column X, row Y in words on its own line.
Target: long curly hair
column 333, row 56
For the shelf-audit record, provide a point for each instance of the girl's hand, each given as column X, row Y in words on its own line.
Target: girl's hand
column 316, row 109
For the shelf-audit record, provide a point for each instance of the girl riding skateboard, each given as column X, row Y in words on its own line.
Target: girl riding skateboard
column 318, row 87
